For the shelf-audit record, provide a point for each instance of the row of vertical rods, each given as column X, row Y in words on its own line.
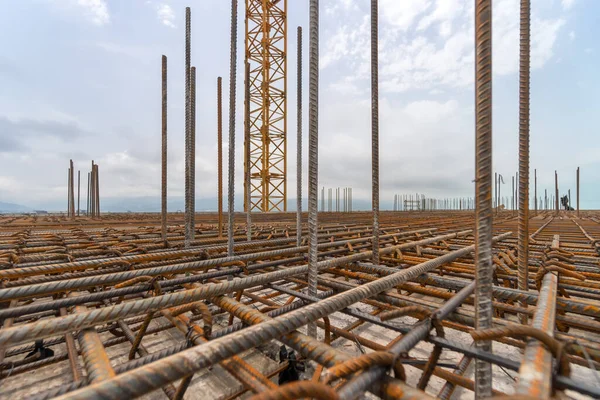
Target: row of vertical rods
column 418, row 202
column 545, row 204
column 340, row 202
column 93, row 192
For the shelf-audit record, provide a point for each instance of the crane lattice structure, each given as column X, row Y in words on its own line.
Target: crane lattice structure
column 266, row 51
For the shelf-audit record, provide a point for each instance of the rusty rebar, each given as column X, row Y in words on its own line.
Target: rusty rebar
column 247, row 146
column 483, row 165
column 78, row 190
column 299, row 140
column 188, row 118
column 231, row 158
column 577, row 191
column 556, row 195
column 220, row 155
column 192, row 153
column 523, row 231
column 375, row 127
column 313, row 152
column 163, row 204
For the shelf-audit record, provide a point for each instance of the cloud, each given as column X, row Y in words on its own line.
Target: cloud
column 8, row 143
column 429, row 44
column 402, row 14
column 567, row 4
column 422, row 147
column 166, row 15
column 96, row 11
column 15, row 133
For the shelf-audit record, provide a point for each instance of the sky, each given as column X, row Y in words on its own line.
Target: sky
column 80, row 79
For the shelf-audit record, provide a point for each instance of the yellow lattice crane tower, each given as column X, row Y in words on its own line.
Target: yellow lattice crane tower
column 266, row 51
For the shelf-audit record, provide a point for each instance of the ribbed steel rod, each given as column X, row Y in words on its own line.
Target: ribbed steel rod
column 220, row 154
column 78, row 190
column 72, row 190
column 192, row 153
column 535, row 198
column 172, row 368
column 523, row 231
column 231, row 160
column 68, row 192
column 188, row 117
column 299, row 141
column 92, row 191
column 163, row 196
column 556, row 192
column 375, row 127
column 354, row 388
column 97, row 181
column 578, row 192
column 247, row 177
column 313, row 152
column 87, row 210
column 483, row 177
column 58, row 326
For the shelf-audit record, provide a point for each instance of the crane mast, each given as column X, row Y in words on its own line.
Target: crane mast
column 266, row 52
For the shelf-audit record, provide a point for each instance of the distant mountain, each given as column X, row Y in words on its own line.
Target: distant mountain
column 13, row 208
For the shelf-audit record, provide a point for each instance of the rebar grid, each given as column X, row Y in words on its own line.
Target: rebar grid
column 392, row 283
column 54, row 258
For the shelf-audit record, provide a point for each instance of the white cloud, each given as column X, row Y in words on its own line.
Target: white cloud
column 96, row 11
column 166, row 15
column 402, row 14
column 572, row 35
column 566, row 4
column 427, row 44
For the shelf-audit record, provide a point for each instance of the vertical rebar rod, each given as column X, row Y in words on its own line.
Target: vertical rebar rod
column 163, row 194
column 350, row 199
column 97, row 191
column 72, row 193
column 313, row 153
column 496, row 205
column 512, row 204
column 299, row 141
column 375, row 128
column 231, row 160
column 78, row 191
column 68, row 192
column 247, row 191
column 483, row 166
column 192, row 153
column 187, row 217
column 556, row 190
column 535, row 191
column 92, row 192
column 569, row 209
column 523, row 235
column 87, row 207
column 517, row 190
column 71, row 188
column 577, row 191
column 220, row 153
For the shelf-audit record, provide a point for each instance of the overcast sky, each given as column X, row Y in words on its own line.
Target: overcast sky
column 80, row 79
